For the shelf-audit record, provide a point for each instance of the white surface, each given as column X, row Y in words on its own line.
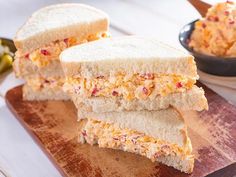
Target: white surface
column 8, row 82
column 19, row 155
column 162, row 19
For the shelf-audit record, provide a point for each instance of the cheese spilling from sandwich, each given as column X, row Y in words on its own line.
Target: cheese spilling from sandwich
column 43, row 55
column 109, row 136
column 129, row 87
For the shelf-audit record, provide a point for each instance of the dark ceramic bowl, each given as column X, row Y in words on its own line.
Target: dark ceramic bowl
column 209, row 64
column 9, row 43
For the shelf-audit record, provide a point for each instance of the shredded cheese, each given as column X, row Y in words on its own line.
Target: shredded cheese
column 140, row 86
column 109, row 136
column 42, row 56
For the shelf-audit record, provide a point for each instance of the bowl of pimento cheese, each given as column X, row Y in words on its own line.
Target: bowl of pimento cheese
column 212, row 40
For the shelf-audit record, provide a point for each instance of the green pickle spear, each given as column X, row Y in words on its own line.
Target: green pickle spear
column 5, row 62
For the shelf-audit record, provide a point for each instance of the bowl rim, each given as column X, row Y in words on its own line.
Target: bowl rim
column 211, row 57
column 7, row 39
column 11, row 41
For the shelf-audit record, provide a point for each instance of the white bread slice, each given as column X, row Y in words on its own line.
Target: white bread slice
column 57, row 22
column 167, row 124
column 130, row 55
column 45, row 93
column 26, row 68
column 192, row 99
column 182, row 160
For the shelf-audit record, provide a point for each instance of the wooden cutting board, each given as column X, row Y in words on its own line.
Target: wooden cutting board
column 52, row 124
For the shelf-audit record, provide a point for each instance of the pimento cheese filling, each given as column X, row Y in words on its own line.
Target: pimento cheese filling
column 109, row 136
column 215, row 34
column 140, row 86
column 38, row 83
column 42, row 56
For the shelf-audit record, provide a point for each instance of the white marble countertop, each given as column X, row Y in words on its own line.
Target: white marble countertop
column 19, row 155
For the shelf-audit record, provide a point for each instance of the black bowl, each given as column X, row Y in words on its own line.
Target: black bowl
column 210, row 64
column 9, row 43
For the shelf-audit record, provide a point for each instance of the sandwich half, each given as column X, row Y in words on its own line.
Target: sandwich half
column 44, row 36
column 131, row 73
column 158, row 135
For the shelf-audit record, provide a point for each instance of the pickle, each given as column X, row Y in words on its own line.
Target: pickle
column 5, row 62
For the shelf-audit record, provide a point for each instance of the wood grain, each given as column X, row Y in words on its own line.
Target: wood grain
column 53, row 126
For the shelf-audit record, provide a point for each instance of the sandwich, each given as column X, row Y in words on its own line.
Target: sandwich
column 129, row 92
column 130, row 74
column 44, row 36
column 158, row 135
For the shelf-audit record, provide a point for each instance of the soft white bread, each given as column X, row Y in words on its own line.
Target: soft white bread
column 26, row 68
column 192, row 99
column 184, row 164
column 165, row 153
column 57, row 22
column 45, row 93
column 130, row 54
column 167, row 124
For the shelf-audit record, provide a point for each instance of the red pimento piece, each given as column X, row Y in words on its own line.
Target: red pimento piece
column 226, row 13
column 115, row 138
column 203, row 25
column 95, row 90
column 114, row 93
column 210, row 18
column 44, row 52
column 179, row 85
column 27, row 56
column 47, row 81
column 213, row 18
column 231, row 22
column 100, row 77
column 216, row 19
column 84, row 133
column 66, row 40
column 145, row 90
column 147, row 76
column 206, row 45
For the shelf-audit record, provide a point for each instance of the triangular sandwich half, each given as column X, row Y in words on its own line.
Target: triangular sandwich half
column 158, row 135
column 44, row 36
column 131, row 73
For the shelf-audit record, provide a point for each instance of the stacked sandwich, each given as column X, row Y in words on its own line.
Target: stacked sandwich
column 44, row 36
column 128, row 92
